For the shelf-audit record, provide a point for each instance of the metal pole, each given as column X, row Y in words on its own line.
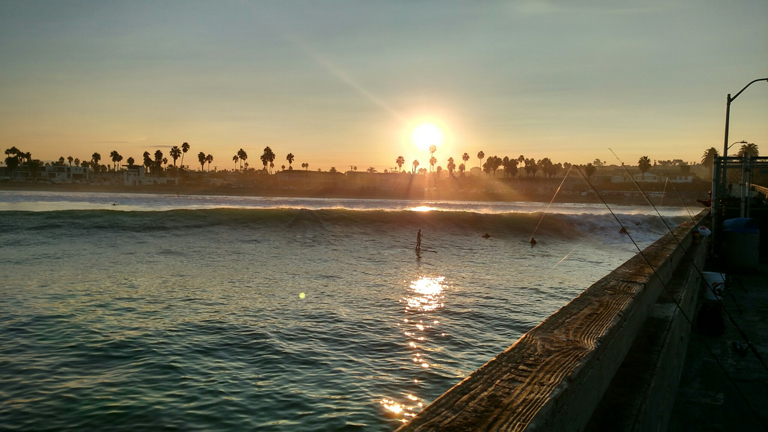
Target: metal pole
column 715, row 195
column 725, row 142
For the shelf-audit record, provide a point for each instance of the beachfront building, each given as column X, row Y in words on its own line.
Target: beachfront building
column 647, row 177
column 64, row 173
column 134, row 175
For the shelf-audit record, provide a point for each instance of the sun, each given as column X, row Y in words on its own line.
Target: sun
column 426, row 135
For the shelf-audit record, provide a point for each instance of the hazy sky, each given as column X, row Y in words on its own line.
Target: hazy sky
column 341, row 83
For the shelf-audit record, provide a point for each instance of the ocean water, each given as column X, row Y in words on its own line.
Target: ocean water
column 130, row 312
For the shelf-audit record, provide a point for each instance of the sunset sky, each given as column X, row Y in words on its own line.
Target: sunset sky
column 341, row 83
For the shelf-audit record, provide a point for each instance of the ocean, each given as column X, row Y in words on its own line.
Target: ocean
column 164, row 312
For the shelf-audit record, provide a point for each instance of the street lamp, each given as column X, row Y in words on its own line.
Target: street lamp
column 728, row 112
column 730, row 99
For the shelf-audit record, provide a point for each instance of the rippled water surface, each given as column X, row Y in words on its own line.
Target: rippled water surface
column 236, row 314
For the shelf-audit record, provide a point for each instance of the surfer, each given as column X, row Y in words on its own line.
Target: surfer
column 418, row 241
column 532, row 242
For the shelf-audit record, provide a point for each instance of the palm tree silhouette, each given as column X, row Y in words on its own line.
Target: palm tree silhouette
column 267, row 158
column 95, row 158
column 70, row 159
column 415, row 165
column 175, row 154
column 481, row 156
column 130, row 161
column 184, row 150
column 462, row 167
column 432, row 162
column 209, row 159
column 243, row 157
column 749, row 150
column 465, row 157
column 451, row 166
column 400, row 161
column 202, row 159
column 644, row 163
column 290, row 159
column 235, row 158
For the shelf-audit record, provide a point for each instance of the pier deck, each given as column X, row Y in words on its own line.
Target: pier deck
column 706, row 400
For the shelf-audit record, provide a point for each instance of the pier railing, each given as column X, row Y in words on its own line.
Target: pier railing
column 554, row 376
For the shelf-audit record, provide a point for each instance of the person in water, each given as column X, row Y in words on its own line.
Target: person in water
column 418, row 240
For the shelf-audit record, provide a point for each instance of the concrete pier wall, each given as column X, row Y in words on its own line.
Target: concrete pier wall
column 555, row 376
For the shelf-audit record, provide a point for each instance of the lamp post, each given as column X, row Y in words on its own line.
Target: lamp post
column 728, row 101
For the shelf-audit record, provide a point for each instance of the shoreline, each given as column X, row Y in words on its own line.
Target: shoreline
column 611, row 197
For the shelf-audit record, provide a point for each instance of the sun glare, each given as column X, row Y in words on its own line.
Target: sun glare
column 426, row 135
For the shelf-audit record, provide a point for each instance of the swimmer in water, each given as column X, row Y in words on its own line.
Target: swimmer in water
column 418, row 240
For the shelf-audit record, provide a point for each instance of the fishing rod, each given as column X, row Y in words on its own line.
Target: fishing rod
column 687, row 255
column 533, row 240
column 677, row 303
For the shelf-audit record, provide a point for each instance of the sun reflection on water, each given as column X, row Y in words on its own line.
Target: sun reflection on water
column 423, row 209
column 423, row 299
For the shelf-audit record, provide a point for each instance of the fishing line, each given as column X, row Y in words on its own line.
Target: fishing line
column 685, row 252
column 533, row 240
column 575, row 247
column 677, row 304
column 679, row 195
column 663, row 191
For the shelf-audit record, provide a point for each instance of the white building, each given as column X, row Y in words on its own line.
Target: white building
column 648, row 178
column 64, row 173
column 134, row 176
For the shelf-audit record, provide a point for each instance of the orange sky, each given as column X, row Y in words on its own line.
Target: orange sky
column 343, row 83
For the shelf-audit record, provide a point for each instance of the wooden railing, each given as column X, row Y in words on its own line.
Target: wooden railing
column 555, row 375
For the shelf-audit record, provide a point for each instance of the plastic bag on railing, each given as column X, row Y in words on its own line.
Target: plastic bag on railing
column 704, row 231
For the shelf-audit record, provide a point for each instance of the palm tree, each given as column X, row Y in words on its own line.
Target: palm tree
column 77, row 161
column 184, row 150
column 282, row 167
column 589, row 170
column 147, row 161
column 158, row 160
column 175, row 154
column 95, row 158
column 290, row 159
column 371, row 170
column 644, row 163
column 114, row 155
column 61, row 160
column 465, row 157
column 749, row 150
column 243, row 157
column 209, row 159
column 235, row 158
column 451, row 166
column 202, row 159
column 708, row 158
column 462, row 167
column 432, row 162
column 481, row 156
column 415, row 165
column 130, row 161
column 305, row 165
column 268, row 157
column 70, row 159
column 400, row 161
